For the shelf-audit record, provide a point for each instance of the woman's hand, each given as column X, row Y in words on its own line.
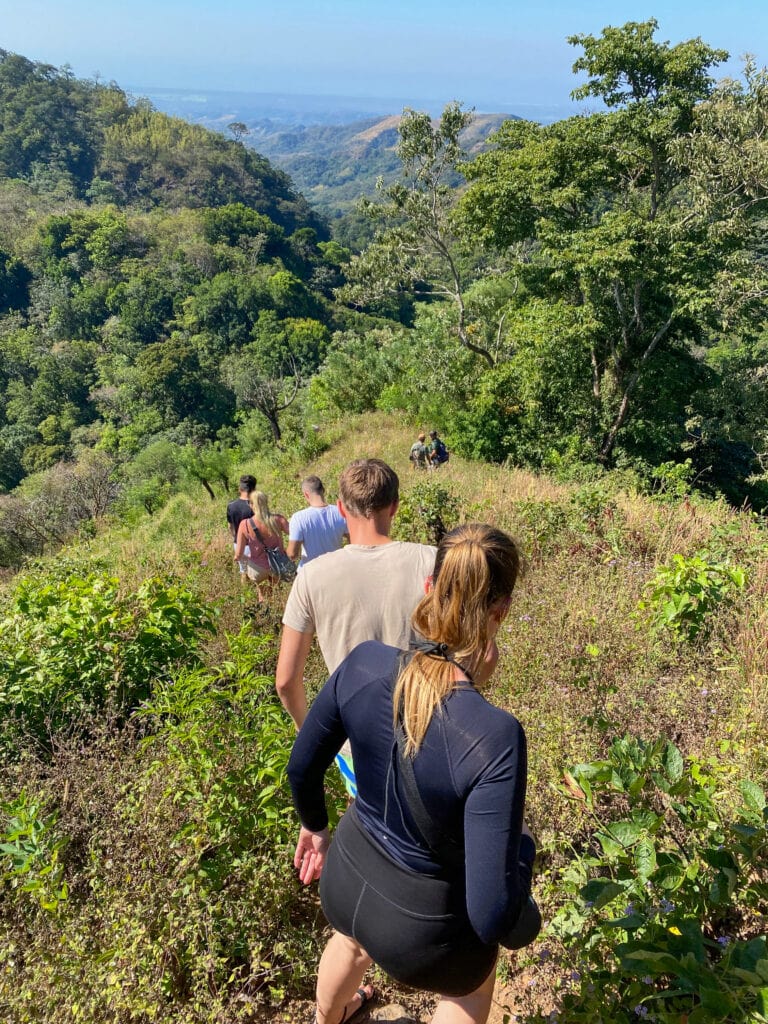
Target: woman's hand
column 310, row 854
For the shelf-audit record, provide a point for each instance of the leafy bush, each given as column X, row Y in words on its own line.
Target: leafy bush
column 427, row 511
column 183, row 903
column 542, row 524
column 29, row 852
column 674, row 479
column 74, row 645
column 664, row 911
column 681, row 596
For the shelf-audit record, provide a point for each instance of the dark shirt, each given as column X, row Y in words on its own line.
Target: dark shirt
column 470, row 771
column 237, row 511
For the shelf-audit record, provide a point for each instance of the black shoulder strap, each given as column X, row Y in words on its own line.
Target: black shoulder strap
column 254, row 527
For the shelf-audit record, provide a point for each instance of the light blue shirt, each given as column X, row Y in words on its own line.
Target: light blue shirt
column 320, row 530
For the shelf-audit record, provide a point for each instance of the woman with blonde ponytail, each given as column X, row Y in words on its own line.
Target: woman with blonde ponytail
column 260, row 531
column 430, row 869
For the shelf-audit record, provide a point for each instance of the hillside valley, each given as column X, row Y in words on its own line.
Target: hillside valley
column 334, row 165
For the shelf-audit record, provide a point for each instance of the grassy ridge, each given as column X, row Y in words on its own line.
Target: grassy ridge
column 146, row 872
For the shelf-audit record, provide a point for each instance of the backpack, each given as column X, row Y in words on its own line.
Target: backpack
column 279, row 563
column 441, row 451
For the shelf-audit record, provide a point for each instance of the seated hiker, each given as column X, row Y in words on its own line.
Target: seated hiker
column 438, row 453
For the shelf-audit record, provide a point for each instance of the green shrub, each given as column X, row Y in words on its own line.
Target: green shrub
column 542, row 525
column 673, row 480
column 29, row 852
column 72, row 644
column 427, row 511
column 183, row 904
column 681, row 596
column 663, row 915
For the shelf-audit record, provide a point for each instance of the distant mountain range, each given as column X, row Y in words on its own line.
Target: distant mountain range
column 334, row 147
column 334, row 165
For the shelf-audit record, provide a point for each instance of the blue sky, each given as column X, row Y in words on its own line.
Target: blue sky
column 492, row 54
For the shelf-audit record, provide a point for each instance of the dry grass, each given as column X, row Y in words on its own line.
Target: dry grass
column 579, row 663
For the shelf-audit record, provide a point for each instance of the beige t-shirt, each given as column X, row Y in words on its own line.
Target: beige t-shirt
column 359, row 593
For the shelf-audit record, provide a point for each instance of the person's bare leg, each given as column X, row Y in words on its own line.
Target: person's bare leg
column 339, row 976
column 471, row 1009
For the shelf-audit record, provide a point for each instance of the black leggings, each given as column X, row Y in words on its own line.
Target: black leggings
column 414, row 926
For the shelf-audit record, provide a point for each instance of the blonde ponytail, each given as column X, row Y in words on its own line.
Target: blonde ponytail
column 260, row 505
column 476, row 567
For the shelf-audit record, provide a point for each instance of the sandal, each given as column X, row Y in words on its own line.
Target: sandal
column 365, row 997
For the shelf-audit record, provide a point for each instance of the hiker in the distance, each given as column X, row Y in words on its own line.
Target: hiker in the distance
column 317, row 529
column 438, row 453
column 429, row 870
column 262, row 530
column 419, row 455
column 237, row 511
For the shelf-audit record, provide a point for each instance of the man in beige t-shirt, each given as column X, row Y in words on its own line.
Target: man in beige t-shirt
column 365, row 591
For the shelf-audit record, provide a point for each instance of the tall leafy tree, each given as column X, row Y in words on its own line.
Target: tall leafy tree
column 616, row 241
column 417, row 247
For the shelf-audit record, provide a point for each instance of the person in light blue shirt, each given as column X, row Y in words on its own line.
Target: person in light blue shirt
column 317, row 529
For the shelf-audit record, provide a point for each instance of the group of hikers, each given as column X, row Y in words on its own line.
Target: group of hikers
column 428, row 454
column 429, row 869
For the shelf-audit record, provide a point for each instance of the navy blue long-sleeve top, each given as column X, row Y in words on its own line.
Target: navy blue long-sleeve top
column 470, row 771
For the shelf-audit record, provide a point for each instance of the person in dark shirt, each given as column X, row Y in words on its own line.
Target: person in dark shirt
column 241, row 509
column 430, row 868
column 437, row 453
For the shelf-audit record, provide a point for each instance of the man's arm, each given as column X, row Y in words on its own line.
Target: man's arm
column 294, row 549
column 289, row 674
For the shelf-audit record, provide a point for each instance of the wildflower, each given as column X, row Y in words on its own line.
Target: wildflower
column 629, row 909
column 575, row 976
column 704, row 692
column 647, row 979
column 723, row 940
column 641, row 1011
column 526, row 618
column 589, row 904
column 666, row 906
column 544, row 955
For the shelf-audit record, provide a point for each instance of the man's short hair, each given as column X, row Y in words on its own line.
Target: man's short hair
column 247, row 483
column 367, row 486
column 313, row 485
column 433, row 433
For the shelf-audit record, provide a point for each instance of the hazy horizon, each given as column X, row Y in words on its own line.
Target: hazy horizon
column 223, row 104
column 496, row 57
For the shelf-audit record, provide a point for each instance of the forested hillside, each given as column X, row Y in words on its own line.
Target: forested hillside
column 150, row 273
column 584, row 298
